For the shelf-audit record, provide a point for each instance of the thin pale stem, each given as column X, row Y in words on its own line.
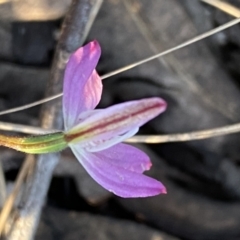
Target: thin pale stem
column 33, row 104
column 5, row 126
column 178, row 137
column 224, row 6
column 191, row 41
column 183, row 137
column 130, row 66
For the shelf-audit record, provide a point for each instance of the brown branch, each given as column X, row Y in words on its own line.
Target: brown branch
column 74, row 31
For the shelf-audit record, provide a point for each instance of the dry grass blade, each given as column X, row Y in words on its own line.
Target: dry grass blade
column 183, row 137
column 23, row 128
column 21, row 108
column 224, row 6
column 7, row 207
column 191, row 41
column 123, row 69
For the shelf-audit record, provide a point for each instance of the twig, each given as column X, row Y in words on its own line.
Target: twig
column 75, row 28
column 224, row 6
column 130, row 66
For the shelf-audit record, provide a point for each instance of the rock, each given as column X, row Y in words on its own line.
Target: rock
column 21, row 85
column 11, row 159
column 64, row 225
column 6, row 41
column 86, row 186
column 40, row 40
column 192, row 209
column 28, row 43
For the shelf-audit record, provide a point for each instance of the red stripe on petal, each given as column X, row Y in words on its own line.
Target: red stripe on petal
column 118, row 119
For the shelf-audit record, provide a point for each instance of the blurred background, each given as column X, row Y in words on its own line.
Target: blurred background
column 201, row 84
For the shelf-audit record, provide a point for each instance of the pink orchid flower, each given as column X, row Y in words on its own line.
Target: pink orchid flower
column 95, row 135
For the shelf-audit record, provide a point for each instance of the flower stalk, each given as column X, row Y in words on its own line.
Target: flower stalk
column 48, row 143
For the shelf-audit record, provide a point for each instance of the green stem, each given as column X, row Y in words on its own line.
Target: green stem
column 52, row 142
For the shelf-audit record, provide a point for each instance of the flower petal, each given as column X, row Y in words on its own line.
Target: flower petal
column 116, row 120
column 105, row 144
column 87, row 114
column 82, row 86
column 127, row 157
column 116, row 179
